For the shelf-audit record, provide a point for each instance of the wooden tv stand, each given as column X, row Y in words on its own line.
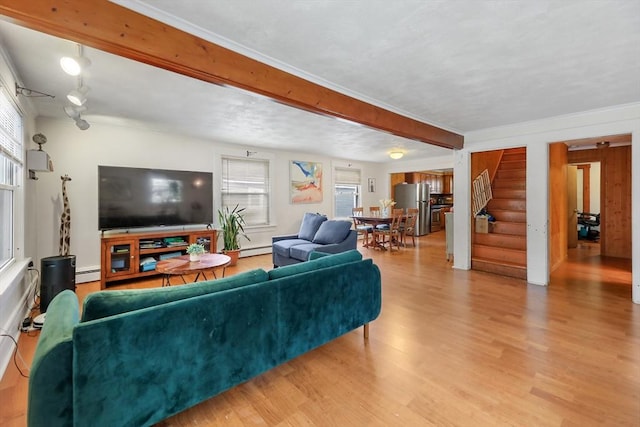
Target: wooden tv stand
column 121, row 254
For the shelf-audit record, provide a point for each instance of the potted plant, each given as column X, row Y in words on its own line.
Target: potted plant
column 232, row 224
column 195, row 250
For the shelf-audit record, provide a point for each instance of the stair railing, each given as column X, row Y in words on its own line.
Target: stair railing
column 481, row 192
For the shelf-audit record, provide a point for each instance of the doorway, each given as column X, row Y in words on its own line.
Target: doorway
column 602, row 206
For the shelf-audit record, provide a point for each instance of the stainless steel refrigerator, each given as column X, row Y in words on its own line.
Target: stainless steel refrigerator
column 415, row 196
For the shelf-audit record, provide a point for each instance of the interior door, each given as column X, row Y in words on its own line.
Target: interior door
column 572, row 206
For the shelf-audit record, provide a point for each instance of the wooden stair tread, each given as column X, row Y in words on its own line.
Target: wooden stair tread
column 505, row 249
column 498, row 262
column 502, row 240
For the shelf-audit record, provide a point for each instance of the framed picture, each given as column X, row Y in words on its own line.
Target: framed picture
column 306, row 182
column 371, row 185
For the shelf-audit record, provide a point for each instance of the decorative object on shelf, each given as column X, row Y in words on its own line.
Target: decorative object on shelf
column 195, row 250
column 306, row 182
column 65, row 220
column 386, row 205
column 232, row 224
column 38, row 160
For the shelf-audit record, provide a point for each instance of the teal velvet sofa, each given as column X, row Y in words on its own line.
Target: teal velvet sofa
column 136, row 357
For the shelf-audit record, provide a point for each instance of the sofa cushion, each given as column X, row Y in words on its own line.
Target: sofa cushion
column 334, row 231
column 301, row 252
column 108, row 303
column 310, row 224
column 283, row 247
column 316, row 260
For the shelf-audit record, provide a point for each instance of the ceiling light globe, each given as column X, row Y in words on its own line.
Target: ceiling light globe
column 395, row 155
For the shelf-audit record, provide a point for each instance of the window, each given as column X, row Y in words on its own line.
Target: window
column 245, row 182
column 10, row 164
column 346, row 191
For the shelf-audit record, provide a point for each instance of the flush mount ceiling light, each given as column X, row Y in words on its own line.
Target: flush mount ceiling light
column 395, row 155
column 78, row 96
column 75, row 65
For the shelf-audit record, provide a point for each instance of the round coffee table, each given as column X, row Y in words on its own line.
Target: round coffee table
column 179, row 266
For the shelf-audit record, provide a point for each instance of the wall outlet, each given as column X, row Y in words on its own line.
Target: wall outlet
column 26, row 324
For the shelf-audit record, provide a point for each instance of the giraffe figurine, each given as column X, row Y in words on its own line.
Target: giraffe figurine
column 65, row 220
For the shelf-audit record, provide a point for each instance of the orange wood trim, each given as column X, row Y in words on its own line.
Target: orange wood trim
column 115, row 29
column 586, row 187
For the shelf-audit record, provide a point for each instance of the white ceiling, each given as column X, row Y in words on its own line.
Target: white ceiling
column 462, row 65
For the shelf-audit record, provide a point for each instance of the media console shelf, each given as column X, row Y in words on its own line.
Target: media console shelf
column 130, row 255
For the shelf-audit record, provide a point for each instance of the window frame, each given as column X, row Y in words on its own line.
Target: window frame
column 269, row 186
column 12, row 151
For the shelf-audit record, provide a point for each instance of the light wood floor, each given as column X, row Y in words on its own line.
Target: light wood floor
column 451, row 348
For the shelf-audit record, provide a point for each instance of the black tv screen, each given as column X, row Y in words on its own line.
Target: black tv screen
column 137, row 197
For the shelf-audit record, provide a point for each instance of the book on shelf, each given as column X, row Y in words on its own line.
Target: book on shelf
column 169, row 255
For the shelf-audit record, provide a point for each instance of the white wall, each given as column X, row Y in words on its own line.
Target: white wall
column 536, row 136
column 78, row 154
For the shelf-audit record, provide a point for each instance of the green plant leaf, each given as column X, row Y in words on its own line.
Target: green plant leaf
column 232, row 224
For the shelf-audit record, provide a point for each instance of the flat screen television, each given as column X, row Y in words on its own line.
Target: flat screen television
column 137, row 197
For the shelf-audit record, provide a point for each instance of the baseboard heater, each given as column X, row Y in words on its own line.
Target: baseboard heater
column 255, row 250
column 89, row 275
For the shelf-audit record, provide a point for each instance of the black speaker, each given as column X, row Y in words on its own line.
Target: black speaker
column 57, row 273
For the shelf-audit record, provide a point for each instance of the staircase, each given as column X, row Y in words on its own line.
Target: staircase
column 504, row 249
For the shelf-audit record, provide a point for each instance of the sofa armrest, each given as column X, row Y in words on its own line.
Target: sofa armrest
column 283, row 237
column 50, row 400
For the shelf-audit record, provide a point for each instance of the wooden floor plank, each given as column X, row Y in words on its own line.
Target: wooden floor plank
column 450, row 348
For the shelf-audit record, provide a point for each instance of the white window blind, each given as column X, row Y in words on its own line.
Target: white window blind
column 245, row 182
column 346, row 191
column 347, row 176
column 10, row 163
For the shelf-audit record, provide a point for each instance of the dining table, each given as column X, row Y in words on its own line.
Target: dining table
column 374, row 221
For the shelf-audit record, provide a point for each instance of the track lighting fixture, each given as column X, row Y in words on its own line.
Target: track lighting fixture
column 78, row 96
column 82, row 124
column 75, row 65
column 74, row 113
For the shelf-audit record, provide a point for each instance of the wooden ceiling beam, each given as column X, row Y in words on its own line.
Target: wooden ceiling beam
column 120, row 31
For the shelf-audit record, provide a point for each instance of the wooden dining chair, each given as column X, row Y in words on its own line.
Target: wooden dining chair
column 391, row 234
column 374, row 210
column 360, row 227
column 409, row 226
